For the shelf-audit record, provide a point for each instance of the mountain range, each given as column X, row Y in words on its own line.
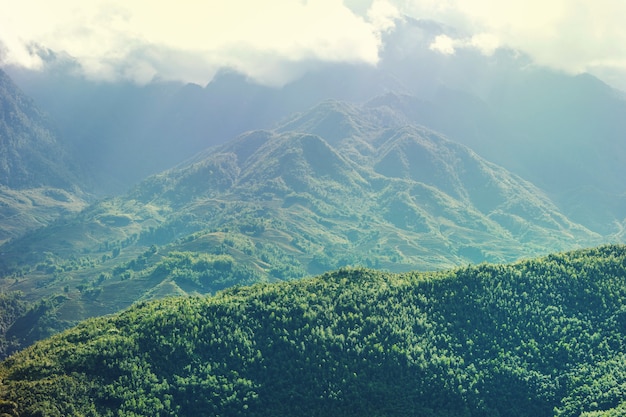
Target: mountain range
column 338, row 185
column 39, row 181
column 117, row 193
column 561, row 132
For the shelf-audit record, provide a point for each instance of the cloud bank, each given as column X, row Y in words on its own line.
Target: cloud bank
column 570, row 35
column 191, row 39
column 275, row 41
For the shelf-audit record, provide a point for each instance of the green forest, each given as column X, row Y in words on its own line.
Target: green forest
column 539, row 337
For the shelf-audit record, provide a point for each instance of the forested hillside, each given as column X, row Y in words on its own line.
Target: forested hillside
column 540, row 337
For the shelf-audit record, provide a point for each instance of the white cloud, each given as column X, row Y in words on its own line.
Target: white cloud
column 383, row 14
column 484, row 42
column 273, row 41
column 570, row 35
column 137, row 39
column 444, row 44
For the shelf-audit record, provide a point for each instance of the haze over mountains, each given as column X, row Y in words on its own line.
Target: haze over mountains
column 561, row 132
column 39, row 180
column 426, row 161
column 339, row 185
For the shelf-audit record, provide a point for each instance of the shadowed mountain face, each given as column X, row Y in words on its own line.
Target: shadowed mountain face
column 38, row 180
column 30, row 155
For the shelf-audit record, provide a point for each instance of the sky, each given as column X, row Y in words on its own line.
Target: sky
column 275, row 41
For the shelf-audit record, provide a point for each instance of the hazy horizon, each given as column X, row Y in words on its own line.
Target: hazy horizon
column 276, row 42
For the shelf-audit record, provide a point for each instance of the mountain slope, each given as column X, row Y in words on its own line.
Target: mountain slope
column 542, row 337
column 280, row 205
column 30, row 155
column 38, row 181
column 561, row 133
column 305, row 187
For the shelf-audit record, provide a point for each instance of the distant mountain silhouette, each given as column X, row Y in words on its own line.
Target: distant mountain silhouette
column 561, row 132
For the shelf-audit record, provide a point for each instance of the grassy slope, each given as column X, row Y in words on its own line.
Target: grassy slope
column 540, row 337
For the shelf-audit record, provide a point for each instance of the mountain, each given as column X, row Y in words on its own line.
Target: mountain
column 540, row 337
column 338, row 185
column 30, row 154
column 38, row 179
column 561, row 132
column 125, row 132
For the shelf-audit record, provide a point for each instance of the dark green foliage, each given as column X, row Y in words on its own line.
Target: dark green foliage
column 543, row 337
column 210, row 272
column 36, row 322
column 12, row 306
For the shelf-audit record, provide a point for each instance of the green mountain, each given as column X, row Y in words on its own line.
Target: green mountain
column 38, row 182
column 563, row 133
column 541, row 337
column 341, row 185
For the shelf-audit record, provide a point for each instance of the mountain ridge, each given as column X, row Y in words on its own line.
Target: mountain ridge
column 31, row 154
column 295, row 163
column 491, row 103
column 561, row 132
column 39, row 181
column 532, row 338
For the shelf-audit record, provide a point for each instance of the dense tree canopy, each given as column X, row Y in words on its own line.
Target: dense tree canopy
column 542, row 337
